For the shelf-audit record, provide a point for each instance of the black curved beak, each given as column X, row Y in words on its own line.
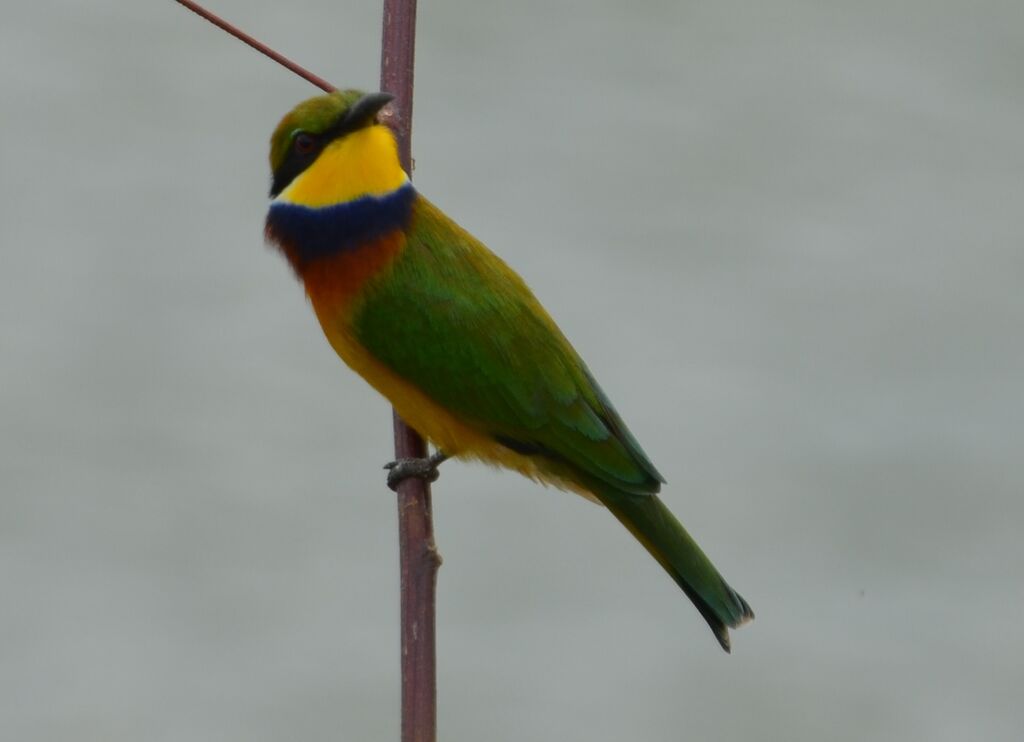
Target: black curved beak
column 364, row 109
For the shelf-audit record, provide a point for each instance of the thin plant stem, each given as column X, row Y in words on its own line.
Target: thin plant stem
column 257, row 45
column 418, row 555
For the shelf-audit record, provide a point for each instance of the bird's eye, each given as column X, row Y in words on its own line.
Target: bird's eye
column 304, row 143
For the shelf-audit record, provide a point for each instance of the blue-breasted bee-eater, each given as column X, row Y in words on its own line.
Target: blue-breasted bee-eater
column 458, row 343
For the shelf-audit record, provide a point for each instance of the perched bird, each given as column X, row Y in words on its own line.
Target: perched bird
column 439, row 325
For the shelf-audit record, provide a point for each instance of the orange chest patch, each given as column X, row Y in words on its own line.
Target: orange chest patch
column 332, row 282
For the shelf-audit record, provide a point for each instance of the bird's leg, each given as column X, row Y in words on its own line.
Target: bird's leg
column 425, row 469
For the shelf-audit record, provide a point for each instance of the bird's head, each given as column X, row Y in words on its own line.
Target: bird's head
column 332, row 148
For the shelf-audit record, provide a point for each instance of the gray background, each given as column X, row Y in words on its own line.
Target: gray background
column 786, row 237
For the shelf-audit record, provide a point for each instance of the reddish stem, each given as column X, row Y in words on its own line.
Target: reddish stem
column 418, row 556
column 257, row 45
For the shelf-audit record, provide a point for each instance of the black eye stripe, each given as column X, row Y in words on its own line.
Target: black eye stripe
column 297, row 161
column 304, row 150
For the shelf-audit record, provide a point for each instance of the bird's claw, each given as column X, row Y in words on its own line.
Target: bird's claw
column 425, row 469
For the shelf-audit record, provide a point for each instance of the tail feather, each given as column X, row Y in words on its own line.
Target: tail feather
column 664, row 537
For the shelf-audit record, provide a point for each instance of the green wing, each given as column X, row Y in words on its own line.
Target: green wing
column 453, row 319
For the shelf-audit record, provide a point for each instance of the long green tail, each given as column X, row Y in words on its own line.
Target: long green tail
column 664, row 537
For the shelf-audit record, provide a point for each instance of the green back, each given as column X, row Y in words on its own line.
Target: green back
column 453, row 319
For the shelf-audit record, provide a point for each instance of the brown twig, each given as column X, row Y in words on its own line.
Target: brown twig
column 418, row 556
column 257, row 45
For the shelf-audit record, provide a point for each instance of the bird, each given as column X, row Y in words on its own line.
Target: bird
column 453, row 338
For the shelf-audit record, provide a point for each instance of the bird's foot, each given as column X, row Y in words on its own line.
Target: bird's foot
column 425, row 469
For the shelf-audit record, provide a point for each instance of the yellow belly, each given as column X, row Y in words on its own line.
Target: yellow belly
column 435, row 423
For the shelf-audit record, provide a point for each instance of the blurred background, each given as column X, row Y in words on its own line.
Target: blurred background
column 785, row 236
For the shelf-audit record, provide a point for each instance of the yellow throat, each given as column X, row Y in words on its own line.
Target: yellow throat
column 363, row 163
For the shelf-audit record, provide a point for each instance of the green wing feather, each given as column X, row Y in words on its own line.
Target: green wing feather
column 453, row 319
